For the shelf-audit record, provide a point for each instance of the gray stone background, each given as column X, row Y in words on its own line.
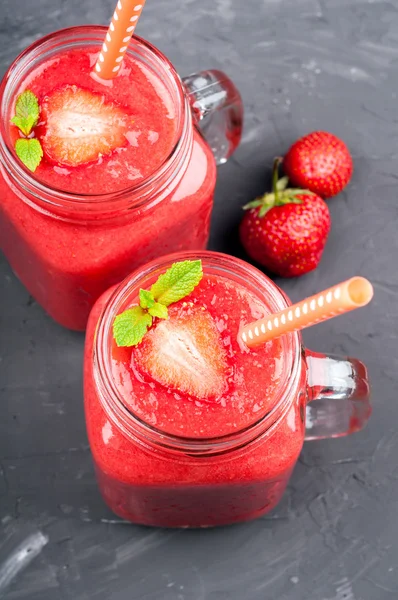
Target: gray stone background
column 301, row 65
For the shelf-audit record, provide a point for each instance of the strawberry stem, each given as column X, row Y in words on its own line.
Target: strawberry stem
column 280, row 195
column 275, row 176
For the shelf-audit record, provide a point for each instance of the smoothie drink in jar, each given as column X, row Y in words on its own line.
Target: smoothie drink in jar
column 190, row 428
column 125, row 176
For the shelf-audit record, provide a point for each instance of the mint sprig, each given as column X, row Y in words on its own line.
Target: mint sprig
column 177, row 282
column 27, row 113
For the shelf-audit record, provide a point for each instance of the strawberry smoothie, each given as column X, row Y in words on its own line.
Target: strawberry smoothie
column 98, row 137
column 125, row 176
column 189, row 427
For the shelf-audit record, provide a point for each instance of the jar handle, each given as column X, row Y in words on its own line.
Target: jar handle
column 217, row 110
column 338, row 396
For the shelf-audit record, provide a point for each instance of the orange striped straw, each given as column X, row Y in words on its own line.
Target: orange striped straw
column 339, row 299
column 123, row 24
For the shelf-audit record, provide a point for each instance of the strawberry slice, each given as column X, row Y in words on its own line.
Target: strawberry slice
column 184, row 353
column 81, row 126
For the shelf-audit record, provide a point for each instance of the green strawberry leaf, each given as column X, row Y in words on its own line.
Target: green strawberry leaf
column 27, row 112
column 280, row 196
column 146, row 299
column 293, row 200
column 178, row 281
column 282, row 184
column 130, row 326
column 29, row 152
column 253, row 204
column 295, row 191
column 267, row 201
column 159, row 310
column 263, row 211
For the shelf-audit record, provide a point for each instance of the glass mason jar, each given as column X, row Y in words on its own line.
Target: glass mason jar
column 150, row 477
column 67, row 248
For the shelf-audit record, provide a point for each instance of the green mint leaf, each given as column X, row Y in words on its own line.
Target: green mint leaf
column 178, row 281
column 27, row 105
column 26, row 111
column 282, row 184
column 159, row 310
column 146, row 299
column 29, row 152
column 24, row 124
column 130, row 326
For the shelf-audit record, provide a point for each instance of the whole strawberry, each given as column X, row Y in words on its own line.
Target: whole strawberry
column 286, row 231
column 319, row 162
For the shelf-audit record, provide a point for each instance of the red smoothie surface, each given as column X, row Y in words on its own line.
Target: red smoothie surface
column 251, row 377
column 139, row 93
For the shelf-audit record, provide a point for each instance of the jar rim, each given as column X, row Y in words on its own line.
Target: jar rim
column 138, row 193
column 133, row 426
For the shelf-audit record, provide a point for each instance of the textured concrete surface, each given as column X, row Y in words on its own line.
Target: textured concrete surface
column 301, row 65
